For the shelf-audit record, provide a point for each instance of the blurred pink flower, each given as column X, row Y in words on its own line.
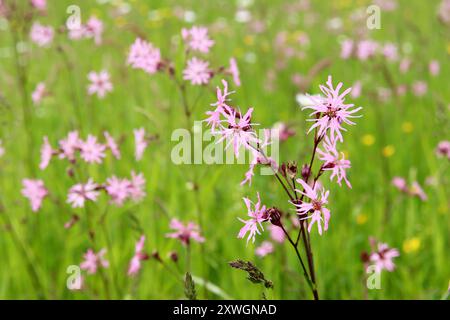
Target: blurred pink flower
column 41, row 35
column 400, row 184
column 419, row 88
column 46, row 154
column 443, row 149
column 118, row 190
column 136, row 186
column 38, row 93
column 332, row 110
column 143, row 55
column 234, row 71
column 185, row 232
column 35, row 191
column 366, row 49
column 2, row 149
column 100, row 83
column 277, row 234
column 346, row 48
column 91, row 151
column 444, row 11
column 197, row 71
column 79, row 193
column 93, row 261
column 139, row 255
column 140, row 143
column 112, row 145
column 93, row 29
column 197, row 39
column 405, row 64
column 264, row 249
column 434, row 67
column 390, row 51
column 416, row 190
column 284, row 132
column 257, row 215
column 70, row 145
column 330, row 157
column 39, row 4
column 356, row 89
column 383, row 257
column 319, row 214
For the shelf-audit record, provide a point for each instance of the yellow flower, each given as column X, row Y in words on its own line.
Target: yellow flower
column 407, row 127
column 249, row 40
column 448, row 48
column 361, row 218
column 388, row 151
column 368, row 140
column 411, row 245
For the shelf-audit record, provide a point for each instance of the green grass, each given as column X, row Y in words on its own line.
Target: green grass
column 371, row 208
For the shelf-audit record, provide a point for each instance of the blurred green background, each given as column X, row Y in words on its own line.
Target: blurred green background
column 396, row 136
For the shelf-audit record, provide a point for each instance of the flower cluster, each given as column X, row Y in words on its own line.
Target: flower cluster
column 197, row 71
column 92, row 29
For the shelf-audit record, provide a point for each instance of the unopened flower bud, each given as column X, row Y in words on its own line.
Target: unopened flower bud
column 173, row 256
column 291, row 169
column 156, row 256
column 364, row 257
column 306, row 171
column 274, row 216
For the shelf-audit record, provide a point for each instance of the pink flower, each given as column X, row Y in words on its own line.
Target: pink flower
column 100, row 83
column 264, row 249
column 356, row 89
column 93, row 29
column 383, row 257
column 330, row 157
column 46, row 154
column 197, row 39
column 112, row 145
column 197, row 71
column 140, row 143
column 330, row 111
column 41, row 35
column 444, row 11
column 79, row 193
column 390, row 51
column 185, row 232
column 284, row 131
column 139, row 255
column 93, row 261
column 404, row 65
column 221, row 107
column 38, row 93
column 70, row 145
column 443, row 149
column 91, row 151
column 316, row 206
column 416, row 190
column 144, row 56
column 420, row 88
column 346, row 48
column 234, row 71
column 277, row 234
column 239, row 133
column 434, row 67
column 136, row 186
column 117, row 189
column 400, row 184
column 366, row 49
column 35, row 191
column 257, row 215
column 2, row 150
column 39, row 4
